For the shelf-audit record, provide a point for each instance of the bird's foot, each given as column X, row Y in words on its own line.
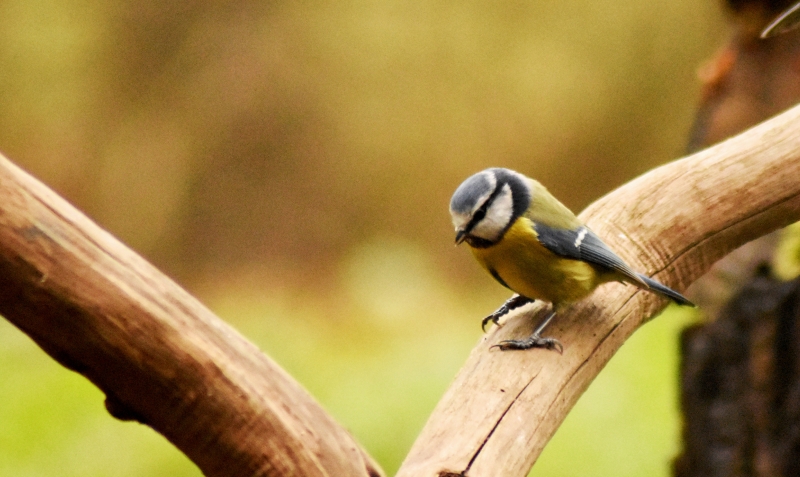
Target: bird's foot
column 515, row 301
column 494, row 318
column 533, row 341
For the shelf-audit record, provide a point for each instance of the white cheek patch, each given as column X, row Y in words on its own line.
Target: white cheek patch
column 497, row 217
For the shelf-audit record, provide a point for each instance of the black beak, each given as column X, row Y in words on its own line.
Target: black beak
column 460, row 236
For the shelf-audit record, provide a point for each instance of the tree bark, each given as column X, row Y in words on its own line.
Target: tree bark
column 159, row 355
column 740, row 390
column 674, row 223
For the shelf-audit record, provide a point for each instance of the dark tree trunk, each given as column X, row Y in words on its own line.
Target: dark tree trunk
column 741, row 386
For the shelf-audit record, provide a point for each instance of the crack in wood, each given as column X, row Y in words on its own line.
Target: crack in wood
column 494, row 428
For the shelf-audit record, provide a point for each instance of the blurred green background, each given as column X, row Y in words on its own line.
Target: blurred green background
column 291, row 163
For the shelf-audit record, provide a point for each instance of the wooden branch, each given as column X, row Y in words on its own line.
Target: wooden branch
column 673, row 222
column 160, row 356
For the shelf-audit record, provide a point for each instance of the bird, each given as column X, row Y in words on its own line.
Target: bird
column 535, row 246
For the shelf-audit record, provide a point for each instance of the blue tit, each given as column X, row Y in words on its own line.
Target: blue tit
column 535, row 246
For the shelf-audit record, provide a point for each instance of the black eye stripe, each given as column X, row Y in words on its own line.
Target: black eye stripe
column 480, row 214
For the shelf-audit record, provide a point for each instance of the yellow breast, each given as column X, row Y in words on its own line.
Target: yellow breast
column 528, row 268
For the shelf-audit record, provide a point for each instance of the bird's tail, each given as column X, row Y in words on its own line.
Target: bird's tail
column 666, row 291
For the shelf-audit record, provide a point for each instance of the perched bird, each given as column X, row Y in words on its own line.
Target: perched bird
column 535, row 246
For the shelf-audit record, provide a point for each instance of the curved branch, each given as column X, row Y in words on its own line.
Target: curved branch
column 673, row 222
column 159, row 355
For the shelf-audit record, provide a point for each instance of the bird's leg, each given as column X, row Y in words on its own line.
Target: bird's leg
column 535, row 340
column 515, row 301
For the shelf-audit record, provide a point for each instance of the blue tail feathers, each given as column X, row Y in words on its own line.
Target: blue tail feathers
column 666, row 291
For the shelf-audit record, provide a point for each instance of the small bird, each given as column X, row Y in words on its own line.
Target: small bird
column 535, row 246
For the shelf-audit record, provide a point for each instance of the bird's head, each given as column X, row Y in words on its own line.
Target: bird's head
column 486, row 204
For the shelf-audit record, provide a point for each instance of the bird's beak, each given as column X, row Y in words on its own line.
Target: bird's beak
column 461, row 234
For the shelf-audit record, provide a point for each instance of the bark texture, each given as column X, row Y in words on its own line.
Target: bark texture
column 159, row 355
column 740, row 380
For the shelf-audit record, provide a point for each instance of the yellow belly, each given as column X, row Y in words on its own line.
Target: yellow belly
column 531, row 270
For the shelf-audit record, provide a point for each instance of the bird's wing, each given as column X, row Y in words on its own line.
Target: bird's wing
column 583, row 244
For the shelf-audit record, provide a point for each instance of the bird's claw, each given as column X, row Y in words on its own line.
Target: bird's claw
column 512, row 303
column 494, row 318
column 534, row 341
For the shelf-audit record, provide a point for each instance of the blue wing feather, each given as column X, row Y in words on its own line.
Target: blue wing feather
column 583, row 244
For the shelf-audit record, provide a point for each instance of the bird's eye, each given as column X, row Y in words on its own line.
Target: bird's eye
column 479, row 214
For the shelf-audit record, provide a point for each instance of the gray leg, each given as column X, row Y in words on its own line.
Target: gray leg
column 535, row 340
